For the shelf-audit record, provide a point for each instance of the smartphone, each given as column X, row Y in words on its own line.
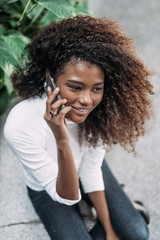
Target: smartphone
column 49, row 82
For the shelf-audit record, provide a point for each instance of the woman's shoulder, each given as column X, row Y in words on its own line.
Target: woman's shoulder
column 32, row 107
column 28, row 106
column 26, row 115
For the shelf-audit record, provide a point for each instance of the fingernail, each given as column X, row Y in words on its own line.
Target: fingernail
column 49, row 89
column 65, row 100
column 57, row 89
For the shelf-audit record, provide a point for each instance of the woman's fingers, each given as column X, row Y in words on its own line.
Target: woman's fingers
column 61, row 114
column 52, row 106
column 51, row 98
column 64, row 111
column 56, row 121
column 57, row 104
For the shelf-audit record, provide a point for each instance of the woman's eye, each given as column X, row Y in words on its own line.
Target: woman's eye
column 98, row 89
column 75, row 88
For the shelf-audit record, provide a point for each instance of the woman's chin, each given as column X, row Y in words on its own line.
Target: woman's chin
column 76, row 119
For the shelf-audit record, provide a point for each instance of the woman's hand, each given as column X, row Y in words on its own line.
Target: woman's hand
column 67, row 184
column 111, row 235
column 57, row 122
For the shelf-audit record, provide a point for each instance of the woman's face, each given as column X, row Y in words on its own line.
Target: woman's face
column 82, row 85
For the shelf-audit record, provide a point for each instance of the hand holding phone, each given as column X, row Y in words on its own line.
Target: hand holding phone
column 49, row 82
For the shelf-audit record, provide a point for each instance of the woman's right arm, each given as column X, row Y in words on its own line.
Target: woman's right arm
column 67, row 185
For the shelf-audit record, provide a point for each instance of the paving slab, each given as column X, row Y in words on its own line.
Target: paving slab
column 21, row 231
column 140, row 174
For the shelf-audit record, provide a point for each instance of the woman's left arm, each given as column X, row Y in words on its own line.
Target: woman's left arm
column 98, row 200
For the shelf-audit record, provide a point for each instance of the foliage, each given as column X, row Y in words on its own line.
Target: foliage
column 19, row 21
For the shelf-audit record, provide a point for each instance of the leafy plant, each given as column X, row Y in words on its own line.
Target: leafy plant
column 19, row 21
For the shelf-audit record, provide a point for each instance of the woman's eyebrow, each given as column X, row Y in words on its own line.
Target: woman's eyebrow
column 78, row 82
column 99, row 83
column 75, row 81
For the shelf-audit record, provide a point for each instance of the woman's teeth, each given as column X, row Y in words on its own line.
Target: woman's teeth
column 81, row 109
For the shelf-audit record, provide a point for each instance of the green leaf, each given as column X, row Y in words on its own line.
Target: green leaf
column 4, row 2
column 11, row 48
column 8, row 85
column 13, row 23
column 4, row 98
column 61, row 8
column 14, row 44
column 24, row 3
column 48, row 18
column 7, row 61
column 80, row 3
column 2, row 29
column 36, row 12
column 84, row 3
column 24, row 38
column 1, row 78
column 11, row 10
column 81, row 10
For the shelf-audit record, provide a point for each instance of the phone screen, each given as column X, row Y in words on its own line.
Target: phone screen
column 49, row 82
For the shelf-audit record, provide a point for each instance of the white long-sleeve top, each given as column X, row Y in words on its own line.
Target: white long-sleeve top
column 33, row 142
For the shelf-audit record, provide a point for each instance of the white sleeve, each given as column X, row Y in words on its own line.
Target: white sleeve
column 28, row 148
column 90, row 171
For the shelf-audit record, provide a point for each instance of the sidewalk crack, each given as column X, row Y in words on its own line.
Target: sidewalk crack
column 20, row 223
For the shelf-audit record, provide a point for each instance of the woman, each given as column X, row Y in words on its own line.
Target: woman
column 105, row 90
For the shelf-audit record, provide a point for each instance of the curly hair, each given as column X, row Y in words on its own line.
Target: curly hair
column 125, row 106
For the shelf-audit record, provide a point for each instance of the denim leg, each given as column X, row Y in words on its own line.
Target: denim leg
column 97, row 232
column 62, row 222
column 126, row 220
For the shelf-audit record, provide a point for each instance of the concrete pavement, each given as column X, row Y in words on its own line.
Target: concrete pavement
column 18, row 220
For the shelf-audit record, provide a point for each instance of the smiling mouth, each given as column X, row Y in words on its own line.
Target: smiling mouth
column 83, row 110
column 80, row 111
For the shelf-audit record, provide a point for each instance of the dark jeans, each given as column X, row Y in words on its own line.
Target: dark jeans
column 64, row 222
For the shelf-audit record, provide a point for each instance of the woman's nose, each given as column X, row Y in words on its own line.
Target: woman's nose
column 85, row 98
